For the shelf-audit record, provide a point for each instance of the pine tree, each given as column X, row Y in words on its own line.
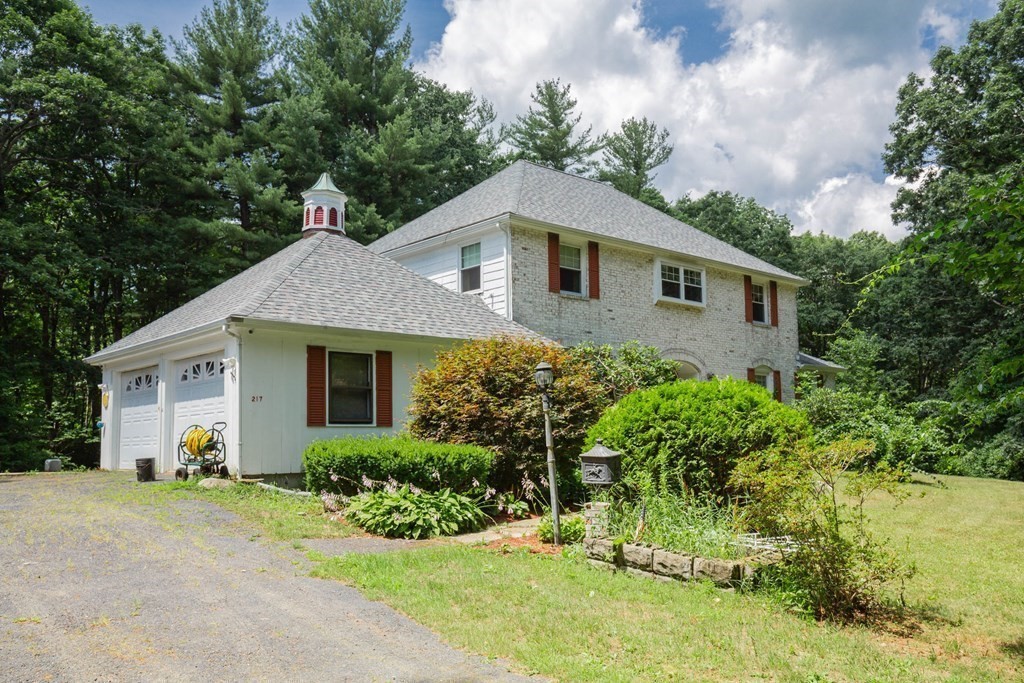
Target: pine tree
column 547, row 133
column 632, row 153
column 226, row 69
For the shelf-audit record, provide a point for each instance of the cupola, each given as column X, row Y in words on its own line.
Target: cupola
column 323, row 208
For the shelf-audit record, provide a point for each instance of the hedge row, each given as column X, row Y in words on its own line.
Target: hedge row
column 339, row 465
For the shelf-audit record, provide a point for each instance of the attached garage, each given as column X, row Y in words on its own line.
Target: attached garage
column 140, row 417
column 198, row 394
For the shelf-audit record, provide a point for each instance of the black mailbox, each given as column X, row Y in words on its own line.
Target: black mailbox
column 600, row 465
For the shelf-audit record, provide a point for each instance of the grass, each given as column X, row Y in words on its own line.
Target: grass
column 281, row 517
column 561, row 618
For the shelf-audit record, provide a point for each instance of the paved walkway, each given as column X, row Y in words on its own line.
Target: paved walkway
column 99, row 584
column 523, row 527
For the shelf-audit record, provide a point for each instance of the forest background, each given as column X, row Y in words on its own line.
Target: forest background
column 135, row 174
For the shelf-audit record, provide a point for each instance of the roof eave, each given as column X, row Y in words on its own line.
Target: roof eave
column 630, row 244
column 104, row 357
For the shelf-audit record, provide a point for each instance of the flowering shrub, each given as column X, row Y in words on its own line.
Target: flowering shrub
column 346, row 465
column 406, row 512
column 483, row 393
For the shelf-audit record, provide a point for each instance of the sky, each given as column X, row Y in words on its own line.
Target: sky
column 785, row 101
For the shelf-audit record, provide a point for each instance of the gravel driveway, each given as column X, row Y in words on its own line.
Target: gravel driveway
column 98, row 586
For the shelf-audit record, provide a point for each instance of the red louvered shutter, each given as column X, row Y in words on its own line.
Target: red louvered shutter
column 307, row 216
column 774, row 294
column 316, row 386
column 751, row 375
column 777, row 381
column 554, row 281
column 318, row 216
column 332, row 218
column 383, row 392
column 748, row 296
column 594, row 271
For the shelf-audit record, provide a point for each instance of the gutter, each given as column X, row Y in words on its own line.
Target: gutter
column 101, row 357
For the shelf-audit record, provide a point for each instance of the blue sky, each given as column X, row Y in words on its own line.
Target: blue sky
column 427, row 18
column 785, row 101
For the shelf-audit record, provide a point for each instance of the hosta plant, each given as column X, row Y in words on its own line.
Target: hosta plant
column 406, row 512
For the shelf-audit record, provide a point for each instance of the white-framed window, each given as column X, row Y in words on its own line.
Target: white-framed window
column 570, row 268
column 759, row 303
column 678, row 282
column 763, row 377
column 470, row 278
column 349, row 388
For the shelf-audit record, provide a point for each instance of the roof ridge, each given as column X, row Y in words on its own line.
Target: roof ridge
column 291, row 267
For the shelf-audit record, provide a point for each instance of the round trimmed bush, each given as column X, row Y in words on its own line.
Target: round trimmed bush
column 689, row 435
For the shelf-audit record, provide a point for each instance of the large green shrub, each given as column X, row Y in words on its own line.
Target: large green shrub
column 899, row 438
column 688, row 436
column 339, row 465
column 483, row 393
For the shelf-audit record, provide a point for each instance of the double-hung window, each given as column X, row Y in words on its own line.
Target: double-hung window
column 679, row 283
column 469, row 268
column 759, row 302
column 350, row 388
column 570, row 269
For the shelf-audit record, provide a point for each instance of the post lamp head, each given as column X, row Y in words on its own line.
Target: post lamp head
column 544, row 374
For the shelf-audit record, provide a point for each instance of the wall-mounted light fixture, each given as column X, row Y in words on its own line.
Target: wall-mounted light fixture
column 231, row 363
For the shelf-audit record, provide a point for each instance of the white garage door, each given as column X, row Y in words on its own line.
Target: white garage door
column 140, row 419
column 198, row 393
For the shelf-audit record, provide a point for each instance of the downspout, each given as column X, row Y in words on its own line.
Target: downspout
column 237, row 377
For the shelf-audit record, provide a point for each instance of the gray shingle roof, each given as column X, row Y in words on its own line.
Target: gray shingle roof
column 806, row 360
column 331, row 281
column 542, row 194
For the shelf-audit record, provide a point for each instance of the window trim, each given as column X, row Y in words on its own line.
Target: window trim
column 682, row 300
column 583, row 269
column 372, row 361
column 479, row 265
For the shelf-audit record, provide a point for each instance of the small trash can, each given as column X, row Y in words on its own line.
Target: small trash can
column 52, row 465
column 145, row 469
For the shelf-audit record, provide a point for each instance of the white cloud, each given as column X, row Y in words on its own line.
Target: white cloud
column 794, row 113
column 843, row 205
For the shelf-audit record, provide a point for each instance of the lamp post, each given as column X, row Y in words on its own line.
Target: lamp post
column 544, row 375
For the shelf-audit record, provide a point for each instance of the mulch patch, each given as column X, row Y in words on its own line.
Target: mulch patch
column 531, row 543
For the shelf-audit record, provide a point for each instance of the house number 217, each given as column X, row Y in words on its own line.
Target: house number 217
column 257, row 399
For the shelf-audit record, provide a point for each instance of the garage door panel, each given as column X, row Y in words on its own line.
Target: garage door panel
column 139, row 417
column 199, row 393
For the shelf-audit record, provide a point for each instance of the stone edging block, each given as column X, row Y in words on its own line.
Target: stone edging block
column 655, row 563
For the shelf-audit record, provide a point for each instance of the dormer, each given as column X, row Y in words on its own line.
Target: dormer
column 323, row 208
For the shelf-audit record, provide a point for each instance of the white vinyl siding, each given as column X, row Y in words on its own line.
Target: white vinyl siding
column 442, row 264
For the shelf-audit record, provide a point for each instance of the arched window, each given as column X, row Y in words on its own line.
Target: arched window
column 318, row 216
column 332, row 218
column 307, row 215
column 687, row 370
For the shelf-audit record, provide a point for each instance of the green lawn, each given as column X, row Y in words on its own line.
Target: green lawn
column 561, row 618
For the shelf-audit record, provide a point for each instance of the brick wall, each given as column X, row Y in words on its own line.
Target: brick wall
column 715, row 338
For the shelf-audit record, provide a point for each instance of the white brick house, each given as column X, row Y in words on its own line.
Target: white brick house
column 575, row 260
